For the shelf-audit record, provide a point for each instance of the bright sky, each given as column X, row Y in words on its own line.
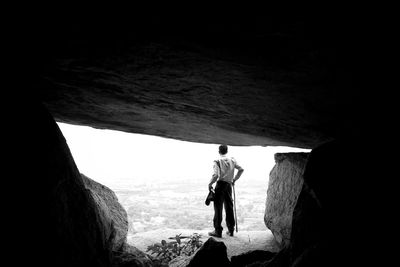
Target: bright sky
column 107, row 156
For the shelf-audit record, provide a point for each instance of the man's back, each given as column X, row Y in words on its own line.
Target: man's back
column 227, row 167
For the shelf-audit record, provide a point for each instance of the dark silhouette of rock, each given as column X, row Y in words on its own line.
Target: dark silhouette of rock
column 284, row 186
column 212, row 253
column 331, row 206
column 62, row 224
column 252, row 257
column 280, row 260
column 67, row 220
column 319, row 205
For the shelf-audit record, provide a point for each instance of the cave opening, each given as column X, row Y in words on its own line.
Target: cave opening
column 282, row 80
column 162, row 183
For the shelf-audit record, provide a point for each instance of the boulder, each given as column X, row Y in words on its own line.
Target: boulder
column 212, row 253
column 111, row 212
column 330, row 219
column 285, row 183
column 115, row 221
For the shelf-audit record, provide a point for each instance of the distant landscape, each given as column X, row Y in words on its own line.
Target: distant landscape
column 162, row 182
column 180, row 205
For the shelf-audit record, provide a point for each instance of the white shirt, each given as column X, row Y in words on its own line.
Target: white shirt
column 226, row 169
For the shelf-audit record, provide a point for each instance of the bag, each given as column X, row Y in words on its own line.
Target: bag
column 210, row 197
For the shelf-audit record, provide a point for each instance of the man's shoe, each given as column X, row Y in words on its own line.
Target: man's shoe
column 229, row 233
column 215, row 234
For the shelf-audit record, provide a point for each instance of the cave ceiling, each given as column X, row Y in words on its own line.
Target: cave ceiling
column 240, row 80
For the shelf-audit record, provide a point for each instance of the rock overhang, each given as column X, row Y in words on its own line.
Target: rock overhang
column 221, row 79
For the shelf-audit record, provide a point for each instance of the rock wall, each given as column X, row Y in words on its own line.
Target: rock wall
column 331, row 220
column 285, row 183
column 61, row 219
column 64, row 227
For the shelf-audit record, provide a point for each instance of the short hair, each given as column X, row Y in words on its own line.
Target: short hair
column 223, row 149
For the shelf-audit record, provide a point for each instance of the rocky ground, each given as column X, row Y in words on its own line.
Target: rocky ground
column 241, row 242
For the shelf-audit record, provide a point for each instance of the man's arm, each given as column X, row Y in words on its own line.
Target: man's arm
column 239, row 173
column 215, row 175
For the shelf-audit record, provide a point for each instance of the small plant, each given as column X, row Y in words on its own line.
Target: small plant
column 192, row 244
column 182, row 245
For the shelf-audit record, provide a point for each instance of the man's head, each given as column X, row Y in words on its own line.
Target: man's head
column 223, row 149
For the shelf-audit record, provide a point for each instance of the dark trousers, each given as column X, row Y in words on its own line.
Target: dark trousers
column 223, row 197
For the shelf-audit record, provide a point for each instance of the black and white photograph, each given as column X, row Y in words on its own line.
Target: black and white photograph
column 152, row 136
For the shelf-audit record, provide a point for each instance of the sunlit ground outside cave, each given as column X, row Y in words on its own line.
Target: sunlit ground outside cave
column 162, row 183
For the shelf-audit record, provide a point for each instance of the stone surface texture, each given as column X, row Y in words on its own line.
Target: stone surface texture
column 258, row 80
column 284, row 186
column 111, row 212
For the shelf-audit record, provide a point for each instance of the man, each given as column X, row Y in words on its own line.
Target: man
column 224, row 169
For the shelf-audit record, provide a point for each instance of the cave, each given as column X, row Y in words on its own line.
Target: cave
column 261, row 79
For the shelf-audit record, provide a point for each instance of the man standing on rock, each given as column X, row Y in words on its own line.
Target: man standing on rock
column 224, row 169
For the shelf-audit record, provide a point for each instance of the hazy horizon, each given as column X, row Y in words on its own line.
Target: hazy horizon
column 111, row 157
